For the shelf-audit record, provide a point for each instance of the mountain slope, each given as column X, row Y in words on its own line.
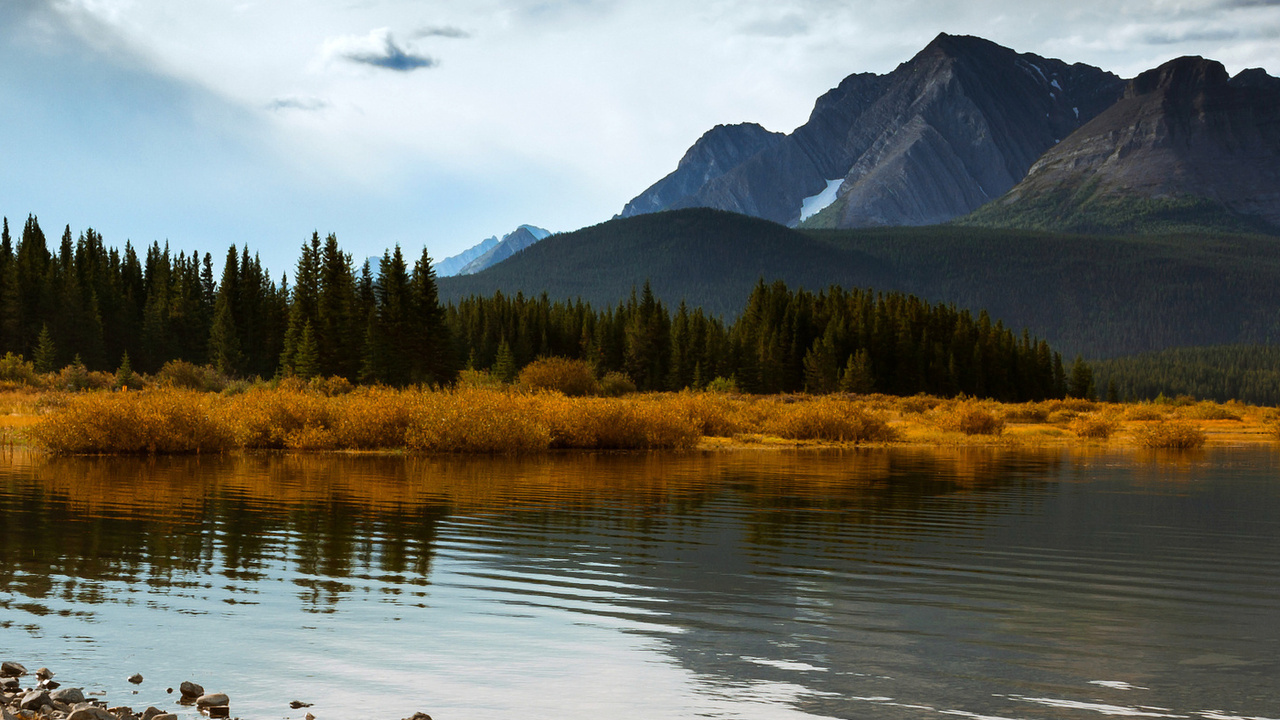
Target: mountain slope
column 1102, row 296
column 451, row 265
column 1186, row 147
column 957, row 125
column 720, row 150
column 511, row 243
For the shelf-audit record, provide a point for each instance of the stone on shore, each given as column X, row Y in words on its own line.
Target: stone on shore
column 136, row 678
column 212, row 700
column 44, row 673
column 419, row 716
column 34, row 700
column 12, row 669
column 190, row 689
column 151, row 712
column 70, row 696
column 91, row 712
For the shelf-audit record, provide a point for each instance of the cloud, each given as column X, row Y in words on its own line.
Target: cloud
column 378, row 49
column 306, row 104
column 1174, row 38
column 782, row 27
column 444, row 31
column 1250, row 3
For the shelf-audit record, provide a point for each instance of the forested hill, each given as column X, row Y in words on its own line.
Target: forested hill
column 1100, row 296
column 709, row 258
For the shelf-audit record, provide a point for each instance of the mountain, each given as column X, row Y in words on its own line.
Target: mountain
column 1186, row 147
column 511, row 243
column 451, row 265
column 1102, row 296
column 490, row 252
column 956, row 126
column 720, row 150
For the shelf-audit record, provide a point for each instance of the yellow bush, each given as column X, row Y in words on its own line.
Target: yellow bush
column 1144, row 411
column 1207, row 411
column 151, row 421
column 1176, row 434
column 476, row 420
column 571, row 377
column 1027, row 413
column 262, row 418
column 830, row 419
column 1098, row 427
column 970, row 418
column 373, row 418
column 618, row 424
column 713, row 414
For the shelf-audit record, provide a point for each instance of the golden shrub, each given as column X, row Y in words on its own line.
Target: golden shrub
column 1175, row 434
column 970, row 418
column 1207, row 411
column 1095, row 426
column 619, row 423
column 1030, row 412
column 476, row 420
column 571, row 377
column 1144, row 411
column 151, row 421
column 374, row 418
column 262, row 418
column 830, row 419
column 712, row 414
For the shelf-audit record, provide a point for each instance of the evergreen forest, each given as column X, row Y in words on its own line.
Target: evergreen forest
column 106, row 308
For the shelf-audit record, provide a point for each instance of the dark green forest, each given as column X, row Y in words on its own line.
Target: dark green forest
column 1249, row 373
column 100, row 305
column 1092, row 295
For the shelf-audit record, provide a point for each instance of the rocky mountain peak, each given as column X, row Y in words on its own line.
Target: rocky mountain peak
column 1183, row 77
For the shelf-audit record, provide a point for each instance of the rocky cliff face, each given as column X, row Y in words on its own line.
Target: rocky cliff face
column 720, row 150
column 956, row 126
column 1183, row 133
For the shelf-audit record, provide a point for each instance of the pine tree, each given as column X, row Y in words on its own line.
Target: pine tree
column 504, row 365
column 46, row 355
column 1080, row 379
column 306, row 361
column 428, row 331
column 124, row 374
column 857, row 377
column 224, row 344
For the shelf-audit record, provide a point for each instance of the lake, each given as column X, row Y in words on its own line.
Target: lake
column 896, row 583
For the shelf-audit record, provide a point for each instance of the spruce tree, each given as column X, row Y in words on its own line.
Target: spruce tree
column 306, row 361
column 125, row 377
column 504, row 365
column 46, row 355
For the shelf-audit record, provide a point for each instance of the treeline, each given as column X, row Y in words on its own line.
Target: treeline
column 1249, row 373
column 104, row 308
column 387, row 325
column 784, row 341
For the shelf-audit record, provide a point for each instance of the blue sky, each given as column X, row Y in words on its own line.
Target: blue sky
column 210, row 122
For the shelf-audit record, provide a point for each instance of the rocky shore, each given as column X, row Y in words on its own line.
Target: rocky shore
column 47, row 699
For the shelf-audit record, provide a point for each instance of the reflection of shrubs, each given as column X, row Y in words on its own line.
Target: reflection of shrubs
column 969, row 418
column 1175, row 434
column 1097, row 427
column 571, row 377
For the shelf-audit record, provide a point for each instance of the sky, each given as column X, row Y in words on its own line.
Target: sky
column 204, row 123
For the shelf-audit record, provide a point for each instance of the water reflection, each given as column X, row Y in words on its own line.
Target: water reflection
column 973, row 583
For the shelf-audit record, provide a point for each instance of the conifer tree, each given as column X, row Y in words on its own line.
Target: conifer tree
column 125, row 376
column 857, row 377
column 306, row 361
column 46, row 355
column 504, row 365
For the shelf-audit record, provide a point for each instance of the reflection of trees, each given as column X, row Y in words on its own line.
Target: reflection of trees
column 194, row 526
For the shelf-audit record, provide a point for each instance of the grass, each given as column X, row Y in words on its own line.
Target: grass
column 483, row 418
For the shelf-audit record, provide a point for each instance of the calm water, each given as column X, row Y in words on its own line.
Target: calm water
column 877, row 584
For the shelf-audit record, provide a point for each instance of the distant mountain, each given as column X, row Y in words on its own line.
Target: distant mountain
column 1187, row 147
column 720, row 150
column 1102, row 296
column 451, row 265
column 956, row 126
column 511, row 243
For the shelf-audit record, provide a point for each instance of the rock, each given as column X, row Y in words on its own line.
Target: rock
column 165, row 716
column 309, row 716
column 212, row 699
column 151, row 712
column 136, row 678
column 299, row 704
column 12, row 669
column 9, row 684
column 70, row 696
column 218, row 711
column 49, row 684
column 44, row 673
column 91, row 712
column 190, row 689
column 419, row 716
column 122, row 712
column 34, row 700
